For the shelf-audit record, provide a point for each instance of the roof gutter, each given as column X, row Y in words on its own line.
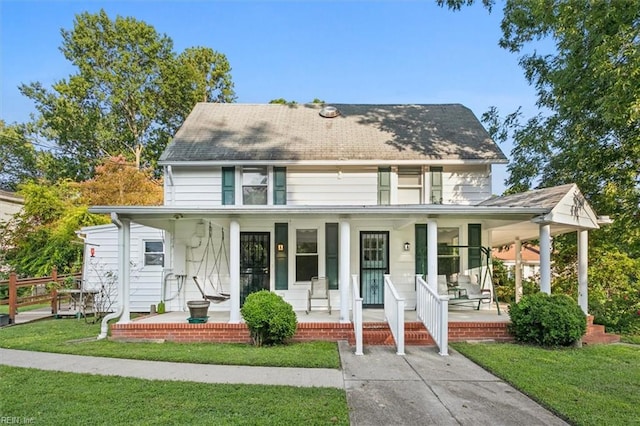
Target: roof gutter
column 104, row 327
column 425, row 210
column 334, row 162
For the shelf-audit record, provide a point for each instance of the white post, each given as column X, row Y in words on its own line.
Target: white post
column 126, row 272
column 545, row 258
column 432, row 255
column 344, row 270
column 234, row 271
column 518, row 269
column 583, row 264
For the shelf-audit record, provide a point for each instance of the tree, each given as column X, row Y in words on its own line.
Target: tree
column 123, row 98
column 591, row 87
column 17, row 157
column 43, row 234
column 588, row 88
column 119, row 183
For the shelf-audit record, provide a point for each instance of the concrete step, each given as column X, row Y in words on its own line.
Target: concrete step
column 600, row 339
column 596, row 334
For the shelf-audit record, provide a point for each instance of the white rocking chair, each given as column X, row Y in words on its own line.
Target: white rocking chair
column 319, row 290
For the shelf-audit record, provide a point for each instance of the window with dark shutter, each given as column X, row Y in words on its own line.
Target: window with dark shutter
column 384, row 185
column 436, row 185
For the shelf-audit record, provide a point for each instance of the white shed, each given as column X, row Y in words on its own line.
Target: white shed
column 100, row 268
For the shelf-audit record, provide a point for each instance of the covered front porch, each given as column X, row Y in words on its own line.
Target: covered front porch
column 388, row 253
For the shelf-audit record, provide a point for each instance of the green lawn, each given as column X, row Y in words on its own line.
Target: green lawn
column 594, row 385
column 54, row 398
column 72, row 336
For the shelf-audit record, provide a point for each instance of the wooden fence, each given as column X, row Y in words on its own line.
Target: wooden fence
column 41, row 293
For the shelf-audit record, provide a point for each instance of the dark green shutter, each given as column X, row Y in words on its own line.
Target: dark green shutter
column 436, row 185
column 228, row 186
column 384, row 185
column 282, row 262
column 421, row 249
column 279, row 185
column 331, row 254
column 474, row 243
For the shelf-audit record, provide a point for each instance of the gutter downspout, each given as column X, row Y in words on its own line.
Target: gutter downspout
column 104, row 328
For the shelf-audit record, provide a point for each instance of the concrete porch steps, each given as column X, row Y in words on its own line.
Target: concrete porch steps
column 596, row 334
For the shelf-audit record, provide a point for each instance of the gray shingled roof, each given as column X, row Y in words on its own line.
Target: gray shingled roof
column 237, row 132
column 546, row 198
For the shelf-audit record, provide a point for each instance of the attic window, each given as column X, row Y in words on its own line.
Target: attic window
column 329, row 112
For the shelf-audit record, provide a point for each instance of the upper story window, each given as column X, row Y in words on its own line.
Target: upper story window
column 410, row 185
column 153, row 253
column 254, row 185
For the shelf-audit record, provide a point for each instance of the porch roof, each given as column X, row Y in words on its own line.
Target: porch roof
column 136, row 213
column 508, row 217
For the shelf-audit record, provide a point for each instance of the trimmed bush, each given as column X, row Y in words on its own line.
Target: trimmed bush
column 270, row 319
column 545, row 320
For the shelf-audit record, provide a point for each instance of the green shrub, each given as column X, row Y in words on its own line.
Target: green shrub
column 270, row 319
column 545, row 320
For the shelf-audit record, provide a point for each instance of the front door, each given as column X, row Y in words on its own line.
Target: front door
column 374, row 263
column 254, row 263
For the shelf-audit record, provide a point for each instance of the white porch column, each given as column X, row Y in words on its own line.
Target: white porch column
column 126, row 272
column 432, row 254
column 583, row 263
column 344, row 269
column 234, row 271
column 545, row 258
column 518, row 269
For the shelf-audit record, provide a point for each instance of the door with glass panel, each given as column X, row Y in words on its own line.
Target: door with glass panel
column 374, row 264
column 254, row 263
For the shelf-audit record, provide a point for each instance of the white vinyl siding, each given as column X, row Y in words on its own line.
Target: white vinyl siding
column 201, row 186
column 332, row 186
column 146, row 281
column 195, row 187
column 466, row 184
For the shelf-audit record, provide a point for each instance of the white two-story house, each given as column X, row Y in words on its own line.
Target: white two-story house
column 269, row 196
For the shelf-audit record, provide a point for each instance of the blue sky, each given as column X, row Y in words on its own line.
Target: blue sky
column 338, row 51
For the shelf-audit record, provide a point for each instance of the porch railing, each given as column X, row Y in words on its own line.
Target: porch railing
column 394, row 313
column 433, row 311
column 356, row 309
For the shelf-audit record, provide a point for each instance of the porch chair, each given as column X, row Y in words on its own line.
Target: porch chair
column 319, row 290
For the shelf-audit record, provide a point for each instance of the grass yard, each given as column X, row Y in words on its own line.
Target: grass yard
column 72, row 336
column 595, row 385
column 54, row 398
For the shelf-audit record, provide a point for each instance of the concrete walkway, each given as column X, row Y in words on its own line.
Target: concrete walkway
column 423, row 388
column 420, row 388
column 159, row 370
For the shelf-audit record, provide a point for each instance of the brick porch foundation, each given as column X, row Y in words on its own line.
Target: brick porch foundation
column 373, row 333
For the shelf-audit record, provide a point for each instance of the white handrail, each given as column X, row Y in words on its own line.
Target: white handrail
column 356, row 309
column 394, row 313
column 433, row 311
